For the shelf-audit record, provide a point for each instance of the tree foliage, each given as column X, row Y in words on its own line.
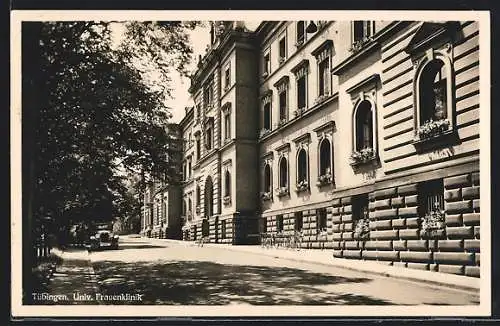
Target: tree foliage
column 94, row 104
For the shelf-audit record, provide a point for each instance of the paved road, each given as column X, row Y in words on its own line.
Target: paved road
column 177, row 273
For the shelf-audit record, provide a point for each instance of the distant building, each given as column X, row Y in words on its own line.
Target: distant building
column 361, row 135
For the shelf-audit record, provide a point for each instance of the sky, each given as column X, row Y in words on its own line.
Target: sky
column 200, row 38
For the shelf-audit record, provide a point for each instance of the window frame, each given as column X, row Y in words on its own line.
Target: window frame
column 321, row 219
column 305, row 106
column 268, row 167
column 299, row 151
column 298, row 216
column 373, row 123
column 320, row 164
column 280, row 174
column 282, row 38
column 280, row 223
column 366, row 24
column 321, row 90
column 300, row 42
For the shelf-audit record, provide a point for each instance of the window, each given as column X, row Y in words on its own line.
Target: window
column 301, row 32
column 223, row 229
column 282, row 50
column 430, row 197
column 364, row 126
column 325, row 158
column 361, row 30
column 208, row 96
column 283, row 105
column 208, row 139
column 267, row 116
column 279, row 223
column 190, row 206
column 267, row 64
column 302, row 166
column 321, row 219
column 267, row 178
column 263, row 225
column 198, row 149
column 360, row 207
column 227, row 78
column 324, row 77
column 301, row 93
column 227, row 184
column 298, row 221
column 283, row 172
column 432, row 92
column 184, row 174
column 227, row 124
column 198, row 196
column 189, row 168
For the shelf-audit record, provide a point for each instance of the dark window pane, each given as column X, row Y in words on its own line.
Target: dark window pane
column 301, row 92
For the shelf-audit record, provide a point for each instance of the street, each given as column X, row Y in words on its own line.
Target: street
column 177, row 273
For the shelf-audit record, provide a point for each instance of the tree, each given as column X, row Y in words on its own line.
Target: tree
column 94, row 105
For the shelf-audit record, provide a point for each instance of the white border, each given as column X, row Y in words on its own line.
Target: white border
column 18, row 310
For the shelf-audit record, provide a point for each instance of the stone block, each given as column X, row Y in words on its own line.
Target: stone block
column 347, row 226
column 476, row 205
column 450, row 245
column 347, row 218
column 368, row 254
column 385, row 214
column 381, row 225
column 411, row 200
column 458, row 207
column 336, row 227
column 347, row 236
column 352, row 254
column 461, row 258
column 459, row 181
column 471, row 219
column 399, row 264
column 336, row 219
column 371, row 206
column 451, row 269
column 407, row 212
column 388, row 255
column 347, row 209
column 385, row 193
column 420, row 266
column 337, row 211
column 408, row 234
column 336, row 202
column 470, row 193
column 417, row 245
column 475, row 178
column 473, row 271
column 407, row 190
column 399, row 245
column 413, row 222
column 378, row 245
column 412, row 256
column 383, row 203
column 337, row 253
column 432, row 245
column 398, row 202
column 453, row 219
column 371, row 196
column 433, row 267
column 351, row 245
column 453, row 194
column 398, row 223
column 472, row 245
column 337, row 236
column 336, row 245
column 382, row 235
column 460, row 232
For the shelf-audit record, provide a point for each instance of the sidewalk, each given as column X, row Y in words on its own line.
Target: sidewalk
column 324, row 257
column 74, row 276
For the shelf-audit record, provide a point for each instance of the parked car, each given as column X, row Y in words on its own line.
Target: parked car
column 103, row 238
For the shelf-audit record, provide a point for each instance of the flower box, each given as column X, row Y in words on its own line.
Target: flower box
column 363, row 156
column 433, row 225
column 266, row 195
column 198, row 209
column 302, row 186
column 263, row 132
column 433, row 128
column 324, row 179
column 281, row 60
column 359, row 45
column 281, row 122
column 226, row 200
column 265, row 74
column 299, row 112
column 322, row 98
column 282, row 191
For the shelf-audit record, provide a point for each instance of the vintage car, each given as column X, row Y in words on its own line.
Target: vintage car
column 103, row 238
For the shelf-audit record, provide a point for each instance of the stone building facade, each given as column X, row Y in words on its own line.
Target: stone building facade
column 362, row 135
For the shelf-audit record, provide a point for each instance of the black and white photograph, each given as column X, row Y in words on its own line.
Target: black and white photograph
column 225, row 163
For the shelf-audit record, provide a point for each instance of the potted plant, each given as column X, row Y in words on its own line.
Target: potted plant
column 226, row 200
column 362, row 156
column 302, row 186
column 281, row 122
column 433, row 224
column 282, row 191
column 358, row 45
column 266, row 195
column 321, row 98
column 362, row 229
column 324, row 179
column 263, row 132
column 281, row 60
column 299, row 112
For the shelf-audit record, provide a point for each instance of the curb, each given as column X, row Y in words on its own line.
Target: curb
column 455, row 282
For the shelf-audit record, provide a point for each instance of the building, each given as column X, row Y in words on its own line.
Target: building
column 362, row 135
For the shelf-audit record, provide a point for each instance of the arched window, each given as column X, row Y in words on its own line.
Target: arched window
column 198, row 195
column 432, row 92
column 302, row 165
column 267, row 178
column 325, row 158
column 364, row 125
column 209, row 197
column 283, row 166
column 227, row 184
column 190, row 206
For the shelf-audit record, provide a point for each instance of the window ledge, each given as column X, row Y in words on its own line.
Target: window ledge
column 366, row 162
column 445, row 139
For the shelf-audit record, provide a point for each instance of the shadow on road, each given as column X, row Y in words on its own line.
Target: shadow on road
column 208, row 283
